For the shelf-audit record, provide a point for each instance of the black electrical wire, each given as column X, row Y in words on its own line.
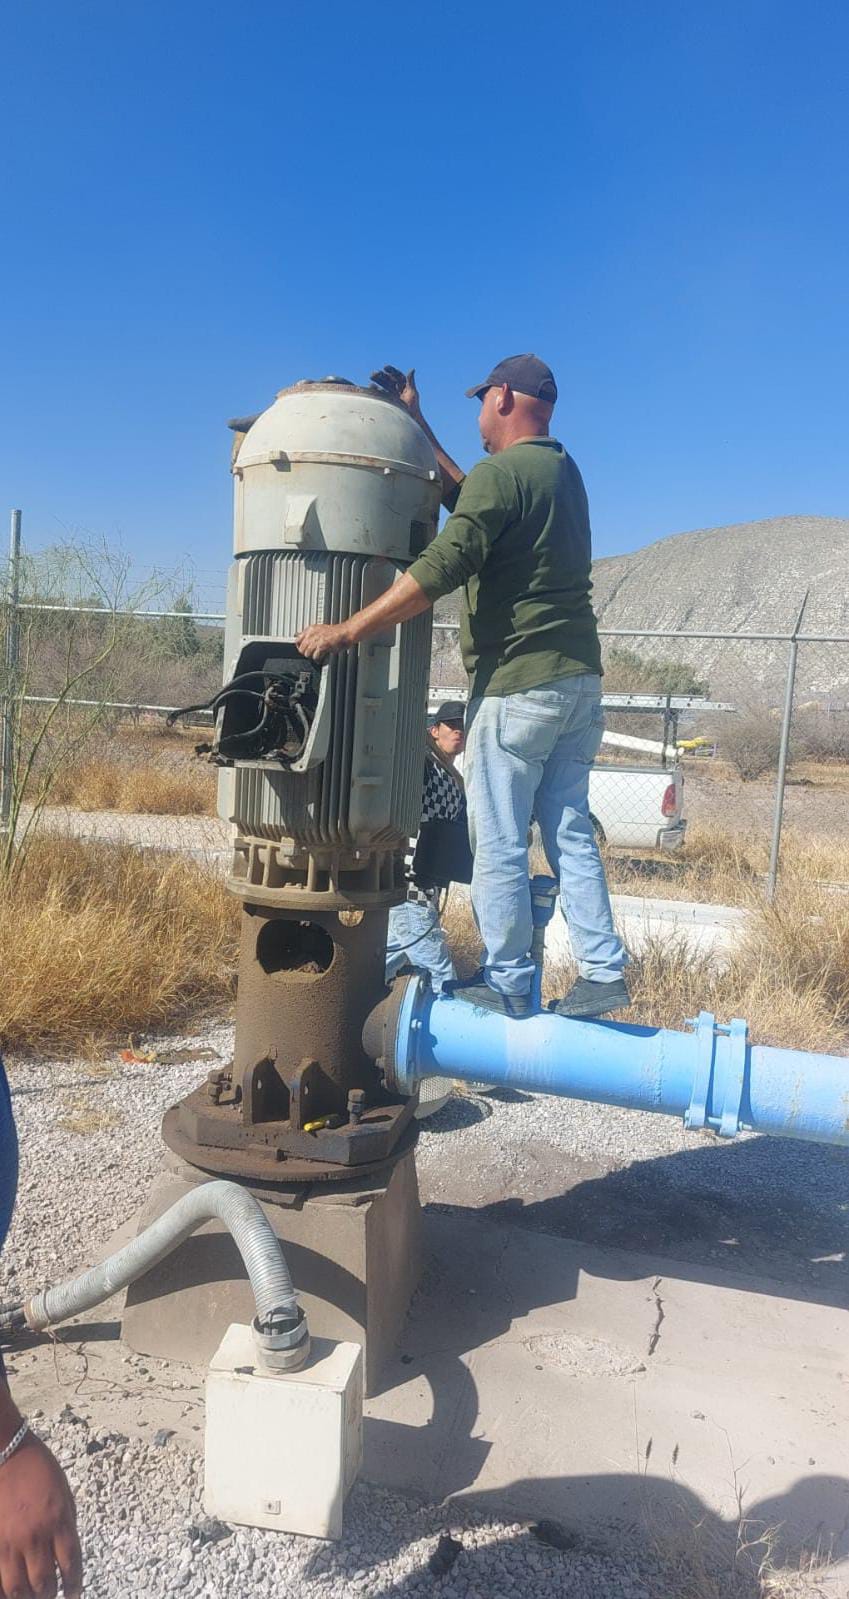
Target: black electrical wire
column 286, row 706
column 218, row 699
column 237, row 739
column 397, row 949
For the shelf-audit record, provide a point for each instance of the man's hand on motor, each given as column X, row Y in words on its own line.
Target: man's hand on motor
column 323, row 638
column 38, row 1527
column 401, row 385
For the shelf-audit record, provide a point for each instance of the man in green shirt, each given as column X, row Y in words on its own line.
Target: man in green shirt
column 518, row 542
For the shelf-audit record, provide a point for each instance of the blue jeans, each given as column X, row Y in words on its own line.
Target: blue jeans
column 415, row 938
column 530, row 754
column 8, row 1157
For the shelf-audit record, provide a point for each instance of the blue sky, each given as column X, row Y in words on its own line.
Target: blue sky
column 205, row 202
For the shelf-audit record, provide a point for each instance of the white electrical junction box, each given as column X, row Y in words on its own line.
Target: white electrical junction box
column 283, row 1449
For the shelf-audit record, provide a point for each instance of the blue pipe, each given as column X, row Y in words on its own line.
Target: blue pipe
column 712, row 1077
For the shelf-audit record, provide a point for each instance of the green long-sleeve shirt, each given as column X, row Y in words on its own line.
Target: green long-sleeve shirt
column 518, row 541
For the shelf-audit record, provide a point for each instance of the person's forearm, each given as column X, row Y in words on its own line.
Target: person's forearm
column 405, row 599
column 10, row 1416
column 452, row 475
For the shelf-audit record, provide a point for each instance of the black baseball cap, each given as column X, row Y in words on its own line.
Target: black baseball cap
column 527, row 374
column 449, row 711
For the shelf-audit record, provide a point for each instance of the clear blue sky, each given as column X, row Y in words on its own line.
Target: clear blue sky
column 204, row 202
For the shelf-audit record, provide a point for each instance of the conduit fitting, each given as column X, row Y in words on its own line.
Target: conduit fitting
column 283, row 1343
column 280, row 1323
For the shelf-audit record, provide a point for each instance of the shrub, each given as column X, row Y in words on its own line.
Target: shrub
column 751, row 740
column 626, row 672
column 97, row 939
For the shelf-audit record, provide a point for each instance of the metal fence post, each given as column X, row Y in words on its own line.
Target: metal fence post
column 783, row 754
column 12, row 642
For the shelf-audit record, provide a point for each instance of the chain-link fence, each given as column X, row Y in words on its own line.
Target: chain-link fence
column 725, row 758
column 89, row 667
column 742, row 738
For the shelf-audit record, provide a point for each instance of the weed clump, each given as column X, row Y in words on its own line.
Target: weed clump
column 101, row 939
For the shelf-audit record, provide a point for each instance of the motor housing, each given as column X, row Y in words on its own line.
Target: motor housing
column 336, row 491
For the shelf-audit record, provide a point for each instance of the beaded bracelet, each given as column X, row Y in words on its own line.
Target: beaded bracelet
column 6, row 1454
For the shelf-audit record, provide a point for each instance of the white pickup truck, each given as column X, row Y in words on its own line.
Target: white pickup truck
column 639, row 805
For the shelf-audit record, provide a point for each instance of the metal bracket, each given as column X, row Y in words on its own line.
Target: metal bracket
column 735, row 1079
column 725, row 1121
column 696, row 1114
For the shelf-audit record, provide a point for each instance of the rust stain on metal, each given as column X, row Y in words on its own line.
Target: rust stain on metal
column 306, row 987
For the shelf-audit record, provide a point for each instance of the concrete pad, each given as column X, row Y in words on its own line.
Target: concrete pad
column 537, row 1376
column 354, row 1255
column 706, row 929
column 545, row 1378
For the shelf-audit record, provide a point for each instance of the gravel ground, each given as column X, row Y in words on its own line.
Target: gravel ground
column 144, row 1533
column 90, row 1150
column 589, row 1171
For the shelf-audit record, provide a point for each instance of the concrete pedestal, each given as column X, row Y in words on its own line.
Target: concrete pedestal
column 354, row 1254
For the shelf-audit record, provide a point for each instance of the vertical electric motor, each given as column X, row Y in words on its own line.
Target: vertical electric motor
column 337, row 490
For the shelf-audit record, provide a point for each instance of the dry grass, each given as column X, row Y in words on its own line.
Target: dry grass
column 703, row 1557
column 789, row 976
column 83, row 1117
column 98, row 939
column 100, row 784
column 725, row 868
column 721, row 867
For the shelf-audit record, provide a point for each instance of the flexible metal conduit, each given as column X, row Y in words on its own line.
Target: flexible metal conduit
column 712, row 1077
column 225, row 1202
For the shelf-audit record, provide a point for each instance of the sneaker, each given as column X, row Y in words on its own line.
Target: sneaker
column 586, row 998
column 476, row 991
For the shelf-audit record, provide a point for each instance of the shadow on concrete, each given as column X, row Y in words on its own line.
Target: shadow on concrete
column 666, row 1528
column 70, row 1333
column 770, row 1210
column 716, row 1215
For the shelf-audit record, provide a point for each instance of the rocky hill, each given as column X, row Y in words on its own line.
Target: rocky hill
column 748, row 578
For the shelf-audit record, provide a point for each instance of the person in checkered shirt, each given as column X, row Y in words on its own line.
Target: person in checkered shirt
column 415, row 938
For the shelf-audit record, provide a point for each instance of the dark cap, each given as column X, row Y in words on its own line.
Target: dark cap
column 527, row 374
column 449, row 711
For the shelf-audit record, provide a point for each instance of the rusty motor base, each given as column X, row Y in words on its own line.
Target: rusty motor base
column 302, row 1101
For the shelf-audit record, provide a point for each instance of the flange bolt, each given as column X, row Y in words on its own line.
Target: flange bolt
column 356, row 1104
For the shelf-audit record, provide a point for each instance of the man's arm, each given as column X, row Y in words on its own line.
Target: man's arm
column 38, row 1530
column 403, row 386
column 486, row 506
column 404, row 599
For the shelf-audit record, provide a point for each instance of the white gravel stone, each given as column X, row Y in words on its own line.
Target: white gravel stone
column 90, row 1150
column 387, row 1543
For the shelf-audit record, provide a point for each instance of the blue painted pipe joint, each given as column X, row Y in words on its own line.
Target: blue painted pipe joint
column 711, row 1076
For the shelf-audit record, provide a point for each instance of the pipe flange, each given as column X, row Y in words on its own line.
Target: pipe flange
column 382, row 1030
column 720, row 1079
column 696, row 1114
column 735, row 1086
